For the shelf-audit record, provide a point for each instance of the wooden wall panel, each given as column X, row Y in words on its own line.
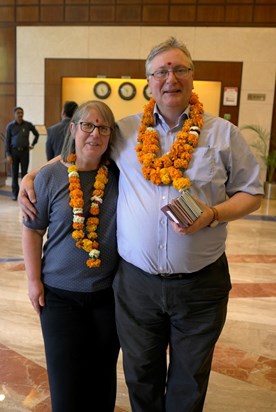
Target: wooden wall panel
column 267, row 2
column 7, row 56
column 27, row 2
column 7, row 75
column 265, row 14
column 6, row 106
column 110, row 1
column 102, row 13
column 156, row 2
column 237, row 2
column 125, row 2
column 8, row 2
column 79, row 1
column 54, row 2
column 52, row 14
column 158, row 14
column 230, row 75
column 78, row 14
column 252, row 13
column 129, row 13
column 27, row 14
column 7, row 14
column 210, row 15
column 212, row 1
column 236, row 13
column 7, row 87
column 183, row 13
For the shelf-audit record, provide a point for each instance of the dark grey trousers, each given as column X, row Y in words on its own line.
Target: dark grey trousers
column 168, row 329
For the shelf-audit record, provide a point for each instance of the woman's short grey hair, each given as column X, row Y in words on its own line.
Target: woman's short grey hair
column 171, row 43
column 80, row 114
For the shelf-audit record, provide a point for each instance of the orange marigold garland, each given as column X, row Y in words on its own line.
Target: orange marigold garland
column 168, row 169
column 85, row 233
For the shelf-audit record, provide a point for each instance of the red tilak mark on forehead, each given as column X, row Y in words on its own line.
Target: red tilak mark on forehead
column 97, row 120
column 169, row 63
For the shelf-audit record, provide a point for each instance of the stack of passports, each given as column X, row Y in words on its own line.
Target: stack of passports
column 183, row 210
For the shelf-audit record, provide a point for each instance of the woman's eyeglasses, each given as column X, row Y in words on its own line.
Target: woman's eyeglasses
column 88, row 127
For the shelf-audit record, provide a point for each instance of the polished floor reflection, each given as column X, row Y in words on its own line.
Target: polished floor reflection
column 243, row 375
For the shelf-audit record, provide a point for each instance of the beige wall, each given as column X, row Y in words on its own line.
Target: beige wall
column 255, row 47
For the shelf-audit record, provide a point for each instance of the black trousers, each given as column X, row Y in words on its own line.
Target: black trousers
column 81, row 347
column 168, row 329
column 19, row 158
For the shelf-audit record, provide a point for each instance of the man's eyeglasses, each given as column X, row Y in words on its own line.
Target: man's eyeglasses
column 88, row 127
column 179, row 72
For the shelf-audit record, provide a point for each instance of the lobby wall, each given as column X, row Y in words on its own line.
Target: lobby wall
column 254, row 47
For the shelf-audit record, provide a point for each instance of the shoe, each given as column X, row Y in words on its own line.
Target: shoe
column 14, row 197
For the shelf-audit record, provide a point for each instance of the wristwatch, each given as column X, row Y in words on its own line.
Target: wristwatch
column 214, row 222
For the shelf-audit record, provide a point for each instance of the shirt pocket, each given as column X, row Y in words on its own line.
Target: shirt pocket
column 202, row 165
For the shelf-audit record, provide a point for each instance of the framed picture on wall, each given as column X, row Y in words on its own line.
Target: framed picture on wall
column 230, row 96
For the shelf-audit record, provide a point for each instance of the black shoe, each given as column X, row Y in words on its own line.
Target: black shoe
column 14, row 197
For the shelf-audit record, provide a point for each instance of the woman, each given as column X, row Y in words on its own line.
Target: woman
column 70, row 287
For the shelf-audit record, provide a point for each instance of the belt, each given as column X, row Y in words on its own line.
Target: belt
column 192, row 274
column 171, row 276
column 21, row 149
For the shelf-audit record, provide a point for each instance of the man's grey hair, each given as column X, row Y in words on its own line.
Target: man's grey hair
column 171, row 43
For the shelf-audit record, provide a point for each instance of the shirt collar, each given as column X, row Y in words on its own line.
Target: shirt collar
column 159, row 119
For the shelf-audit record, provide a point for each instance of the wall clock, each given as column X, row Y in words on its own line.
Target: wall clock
column 102, row 90
column 127, row 91
column 146, row 92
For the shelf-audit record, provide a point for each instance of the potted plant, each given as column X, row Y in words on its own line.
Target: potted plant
column 261, row 146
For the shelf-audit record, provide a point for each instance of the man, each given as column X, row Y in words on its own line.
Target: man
column 18, row 146
column 57, row 132
column 172, row 285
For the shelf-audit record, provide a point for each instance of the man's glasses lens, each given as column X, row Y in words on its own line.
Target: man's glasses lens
column 89, row 127
column 180, row 73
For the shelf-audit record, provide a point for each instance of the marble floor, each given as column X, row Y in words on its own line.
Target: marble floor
column 243, row 377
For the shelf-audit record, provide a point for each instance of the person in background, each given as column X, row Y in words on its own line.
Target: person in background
column 71, row 286
column 56, row 133
column 172, row 285
column 17, row 147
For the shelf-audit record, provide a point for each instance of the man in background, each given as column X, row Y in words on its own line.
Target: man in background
column 18, row 146
column 57, row 132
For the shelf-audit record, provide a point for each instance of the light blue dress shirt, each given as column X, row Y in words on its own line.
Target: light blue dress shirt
column 221, row 165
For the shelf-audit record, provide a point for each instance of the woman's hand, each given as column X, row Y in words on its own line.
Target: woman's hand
column 36, row 294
